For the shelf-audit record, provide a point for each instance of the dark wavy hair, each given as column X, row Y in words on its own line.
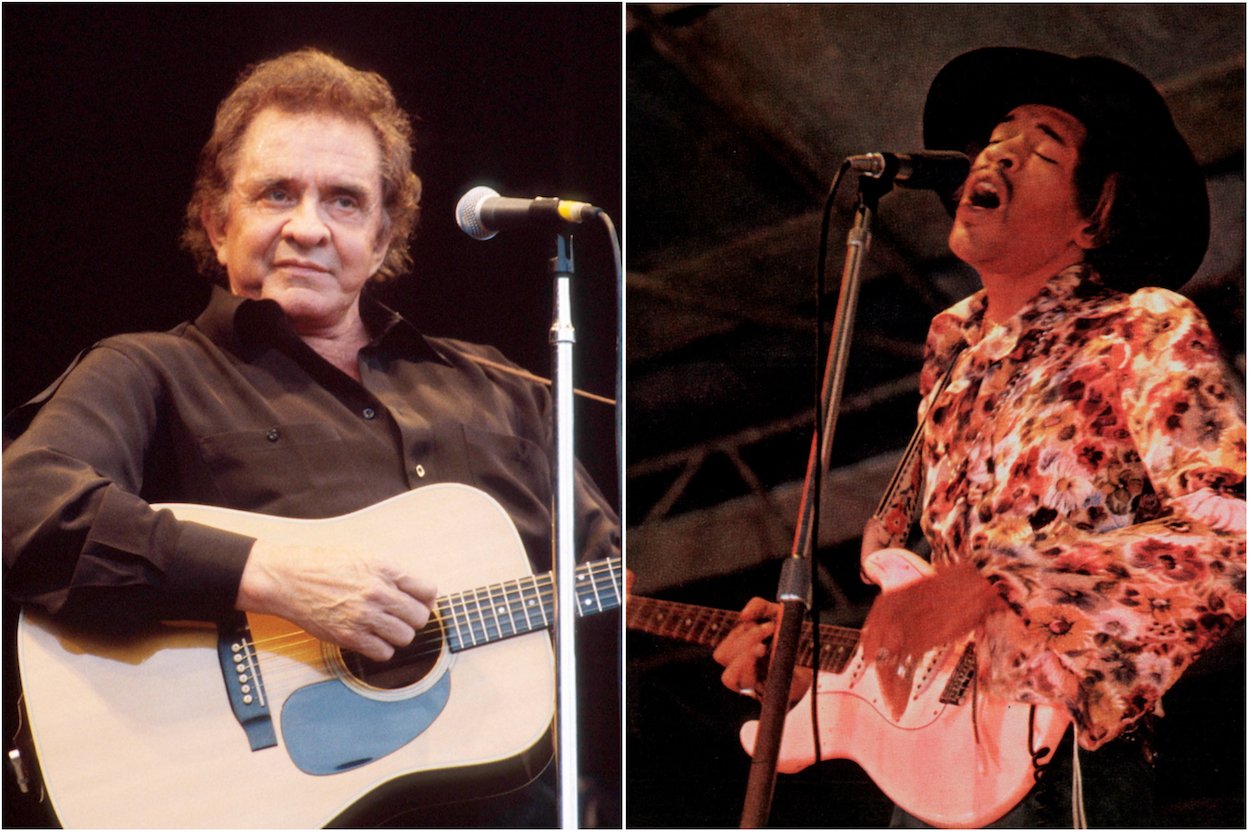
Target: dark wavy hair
column 307, row 81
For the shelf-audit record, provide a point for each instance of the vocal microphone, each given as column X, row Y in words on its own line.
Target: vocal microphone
column 481, row 212
column 939, row 170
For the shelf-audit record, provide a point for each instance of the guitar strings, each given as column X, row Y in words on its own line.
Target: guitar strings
column 706, row 625
column 295, row 652
column 485, row 603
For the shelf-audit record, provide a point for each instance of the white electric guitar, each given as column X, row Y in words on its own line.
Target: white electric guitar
column 262, row 725
column 947, row 760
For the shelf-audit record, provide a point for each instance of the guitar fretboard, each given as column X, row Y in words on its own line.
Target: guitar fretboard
column 708, row 626
column 511, row 608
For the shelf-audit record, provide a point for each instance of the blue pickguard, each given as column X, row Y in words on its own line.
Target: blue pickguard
column 328, row 728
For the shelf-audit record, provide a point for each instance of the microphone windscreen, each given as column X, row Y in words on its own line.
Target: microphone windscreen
column 469, row 212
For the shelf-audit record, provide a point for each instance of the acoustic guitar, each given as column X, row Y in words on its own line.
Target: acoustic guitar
column 258, row 724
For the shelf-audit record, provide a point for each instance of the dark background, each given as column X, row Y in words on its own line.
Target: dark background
column 737, row 118
column 106, row 108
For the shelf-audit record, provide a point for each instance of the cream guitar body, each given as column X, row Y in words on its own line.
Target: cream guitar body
column 265, row 726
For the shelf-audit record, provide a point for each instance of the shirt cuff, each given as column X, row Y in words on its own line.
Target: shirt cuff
column 203, row 580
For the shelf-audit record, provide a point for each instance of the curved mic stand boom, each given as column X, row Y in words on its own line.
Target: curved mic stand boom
column 794, row 586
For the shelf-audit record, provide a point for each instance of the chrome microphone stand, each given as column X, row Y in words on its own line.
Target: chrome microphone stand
column 562, row 338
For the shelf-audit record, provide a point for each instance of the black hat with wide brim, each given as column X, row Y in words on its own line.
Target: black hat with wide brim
column 1160, row 221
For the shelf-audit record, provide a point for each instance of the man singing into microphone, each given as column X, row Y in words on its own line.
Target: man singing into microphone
column 1081, row 478
column 295, row 393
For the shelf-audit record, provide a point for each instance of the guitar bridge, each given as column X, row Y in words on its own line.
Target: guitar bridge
column 236, row 651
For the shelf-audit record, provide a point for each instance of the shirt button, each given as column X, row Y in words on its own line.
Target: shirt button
column 272, row 435
column 420, row 470
column 368, row 413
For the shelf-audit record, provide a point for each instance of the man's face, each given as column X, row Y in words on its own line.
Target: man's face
column 1018, row 215
column 304, row 223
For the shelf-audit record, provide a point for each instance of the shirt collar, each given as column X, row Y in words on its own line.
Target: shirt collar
column 1058, row 296
column 964, row 325
column 246, row 325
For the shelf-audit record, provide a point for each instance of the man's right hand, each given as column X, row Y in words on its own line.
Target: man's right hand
column 360, row 600
column 744, row 652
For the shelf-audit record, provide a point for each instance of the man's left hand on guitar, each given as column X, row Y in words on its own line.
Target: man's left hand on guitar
column 745, row 651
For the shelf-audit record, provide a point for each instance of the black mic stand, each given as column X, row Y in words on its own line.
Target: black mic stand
column 565, row 556
column 794, row 591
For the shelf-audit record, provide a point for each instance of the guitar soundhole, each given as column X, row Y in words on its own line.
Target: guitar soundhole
column 407, row 667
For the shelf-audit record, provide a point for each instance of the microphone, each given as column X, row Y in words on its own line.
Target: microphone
column 481, row 212
column 938, row 170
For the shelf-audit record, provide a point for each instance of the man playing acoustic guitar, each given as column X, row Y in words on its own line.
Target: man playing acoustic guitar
column 1081, row 474
column 294, row 394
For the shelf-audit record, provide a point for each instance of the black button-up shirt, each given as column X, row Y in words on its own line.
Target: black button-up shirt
column 235, row 410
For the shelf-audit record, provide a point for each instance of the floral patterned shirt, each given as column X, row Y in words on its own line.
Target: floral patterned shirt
column 1088, row 457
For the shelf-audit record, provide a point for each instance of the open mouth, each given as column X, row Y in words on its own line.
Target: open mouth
column 984, row 194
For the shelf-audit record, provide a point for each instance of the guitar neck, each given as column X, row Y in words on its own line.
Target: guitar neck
column 511, row 608
column 708, row 626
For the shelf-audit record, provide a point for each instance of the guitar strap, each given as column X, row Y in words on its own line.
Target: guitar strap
column 902, row 493
column 525, row 374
